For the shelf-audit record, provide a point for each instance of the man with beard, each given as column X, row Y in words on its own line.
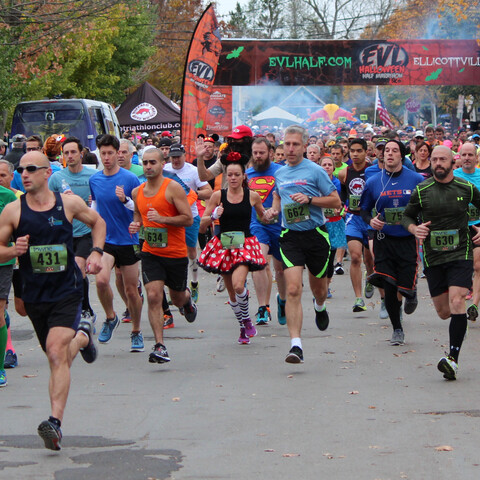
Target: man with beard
column 442, row 201
column 261, row 179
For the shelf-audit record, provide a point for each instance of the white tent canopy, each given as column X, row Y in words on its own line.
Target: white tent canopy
column 277, row 113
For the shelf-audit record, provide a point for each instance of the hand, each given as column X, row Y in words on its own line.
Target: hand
column 200, row 148
column 376, row 223
column 134, row 227
column 21, row 245
column 120, row 193
column 154, row 216
column 422, row 231
column 217, row 213
column 476, row 237
column 94, row 263
column 299, row 198
column 270, row 214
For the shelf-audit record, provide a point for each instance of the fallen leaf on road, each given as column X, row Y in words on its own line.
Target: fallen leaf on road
column 354, row 392
column 201, row 331
column 288, row 455
column 29, row 376
column 444, row 448
column 175, row 399
column 290, row 376
column 269, row 450
column 372, row 407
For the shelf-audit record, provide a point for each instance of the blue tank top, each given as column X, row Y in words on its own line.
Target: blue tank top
column 48, row 270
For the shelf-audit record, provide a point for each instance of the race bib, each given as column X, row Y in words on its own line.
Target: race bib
column 156, row 237
column 444, row 240
column 48, row 258
column 354, row 202
column 329, row 212
column 232, row 239
column 296, row 212
column 393, row 216
column 473, row 212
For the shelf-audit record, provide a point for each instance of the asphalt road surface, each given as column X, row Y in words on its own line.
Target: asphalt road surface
column 357, row 408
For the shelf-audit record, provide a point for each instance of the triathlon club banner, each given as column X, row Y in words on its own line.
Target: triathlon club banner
column 349, row 62
column 200, row 68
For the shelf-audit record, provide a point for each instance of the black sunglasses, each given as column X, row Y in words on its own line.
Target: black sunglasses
column 29, row 168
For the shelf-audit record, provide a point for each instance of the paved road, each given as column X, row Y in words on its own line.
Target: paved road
column 356, row 409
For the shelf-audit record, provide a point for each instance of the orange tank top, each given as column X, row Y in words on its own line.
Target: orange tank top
column 161, row 239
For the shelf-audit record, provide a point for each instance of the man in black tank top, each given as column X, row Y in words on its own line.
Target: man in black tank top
column 41, row 223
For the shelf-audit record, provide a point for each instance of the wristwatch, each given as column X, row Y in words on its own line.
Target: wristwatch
column 310, row 198
column 97, row 249
column 127, row 199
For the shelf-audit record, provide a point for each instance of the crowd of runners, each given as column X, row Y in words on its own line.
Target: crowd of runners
column 401, row 204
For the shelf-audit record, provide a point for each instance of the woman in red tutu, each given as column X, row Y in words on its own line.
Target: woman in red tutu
column 234, row 251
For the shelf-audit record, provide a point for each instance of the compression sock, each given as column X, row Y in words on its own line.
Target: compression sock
column 9, row 341
column 86, row 300
column 193, row 268
column 3, row 344
column 237, row 311
column 457, row 330
column 165, row 305
column 393, row 305
column 242, row 300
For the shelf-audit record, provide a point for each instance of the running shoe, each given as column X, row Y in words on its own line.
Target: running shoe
column 168, row 322
column 281, row 316
column 295, row 355
column 3, row 378
column 194, row 291
column 89, row 353
column 338, row 269
column 329, row 293
column 11, row 360
column 126, row 318
column 472, row 313
column 220, row 284
column 243, row 339
column 137, row 342
column 448, row 367
column 50, row 434
column 250, row 330
column 109, row 326
column 159, row 354
column 410, row 304
column 359, row 305
column 321, row 318
column 383, row 310
column 369, row 289
column 91, row 317
column 398, row 337
column 189, row 310
column 262, row 316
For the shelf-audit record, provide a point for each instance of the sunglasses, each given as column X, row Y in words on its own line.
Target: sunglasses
column 29, row 168
column 151, row 162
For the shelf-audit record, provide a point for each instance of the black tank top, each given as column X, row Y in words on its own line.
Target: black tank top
column 48, row 270
column 236, row 216
column 354, row 185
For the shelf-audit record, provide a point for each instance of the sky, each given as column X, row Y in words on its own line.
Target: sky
column 225, row 6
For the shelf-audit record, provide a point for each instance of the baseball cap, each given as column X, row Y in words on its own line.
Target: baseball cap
column 381, row 142
column 167, row 134
column 475, row 135
column 240, row 132
column 176, row 150
column 419, row 134
column 164, row 142
column 3, row 144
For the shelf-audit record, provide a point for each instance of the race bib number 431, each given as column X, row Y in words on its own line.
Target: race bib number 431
column 48, row 258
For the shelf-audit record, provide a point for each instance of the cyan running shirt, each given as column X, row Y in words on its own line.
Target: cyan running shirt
column 307, row 178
